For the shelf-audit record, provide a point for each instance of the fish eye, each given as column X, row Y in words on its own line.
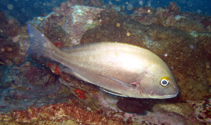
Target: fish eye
column 164, row 82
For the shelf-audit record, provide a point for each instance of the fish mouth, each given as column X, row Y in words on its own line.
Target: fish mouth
column 172, row 95
column 164, row 97
column 167, row 96
column 176, row 92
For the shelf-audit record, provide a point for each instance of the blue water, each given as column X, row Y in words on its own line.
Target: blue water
column 24, row 10
column 196, row 6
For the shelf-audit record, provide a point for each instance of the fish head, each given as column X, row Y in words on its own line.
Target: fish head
column 158, row 82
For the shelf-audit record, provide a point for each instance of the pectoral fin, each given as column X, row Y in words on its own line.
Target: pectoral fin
column 111, row 92
column 120, row 82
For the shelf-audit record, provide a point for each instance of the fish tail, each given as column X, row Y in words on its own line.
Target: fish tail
column 40, row 46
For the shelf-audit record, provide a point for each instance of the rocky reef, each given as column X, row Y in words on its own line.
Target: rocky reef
column 38, row 91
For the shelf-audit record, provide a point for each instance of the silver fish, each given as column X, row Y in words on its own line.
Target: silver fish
column 120, row 69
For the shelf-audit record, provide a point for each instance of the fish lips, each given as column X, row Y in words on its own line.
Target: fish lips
column 173, row 94
column 162, row 94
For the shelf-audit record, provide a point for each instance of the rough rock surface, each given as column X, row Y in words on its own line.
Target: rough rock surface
column 35, row 94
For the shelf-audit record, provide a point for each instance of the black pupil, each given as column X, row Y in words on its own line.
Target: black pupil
column 164, row 82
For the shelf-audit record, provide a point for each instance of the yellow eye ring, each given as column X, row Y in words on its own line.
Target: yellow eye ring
column 164, row 81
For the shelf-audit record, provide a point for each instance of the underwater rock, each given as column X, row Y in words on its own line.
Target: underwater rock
column 9, row 25
column 206, row 21
column 172, row 7
column 10, row 50
column 181, row 109
column 115, row 28
column 183, row 43
column 78, row 19
column 72, row 20
column 85, row 92
column 169, row 17
column 29, row 85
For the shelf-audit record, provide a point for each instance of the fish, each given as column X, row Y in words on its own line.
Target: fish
column 117, row 68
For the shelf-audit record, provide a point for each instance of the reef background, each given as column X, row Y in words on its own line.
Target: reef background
column 37, row 91
column 24, row 10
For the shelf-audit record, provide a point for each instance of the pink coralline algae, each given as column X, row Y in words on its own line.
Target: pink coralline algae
column 54, row 68
column 202, row 110
column 80, row 94
column 59, row 113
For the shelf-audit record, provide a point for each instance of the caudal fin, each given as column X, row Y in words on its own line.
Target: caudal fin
column 40, row 46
